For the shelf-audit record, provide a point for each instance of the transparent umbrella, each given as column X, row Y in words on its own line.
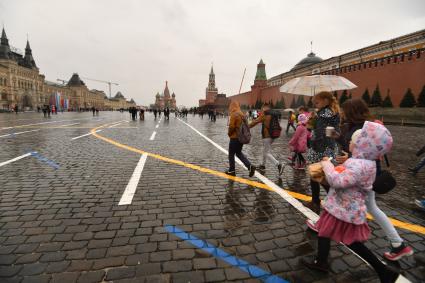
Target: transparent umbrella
column 310, row 85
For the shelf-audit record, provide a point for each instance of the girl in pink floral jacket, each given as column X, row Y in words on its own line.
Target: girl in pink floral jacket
column 344, row 216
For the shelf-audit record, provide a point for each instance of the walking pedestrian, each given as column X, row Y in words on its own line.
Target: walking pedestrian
column 355, row 113
column 265, row 119
column 291, row 122
column 235, row 146
column 16, row 109
column 344, row 216
column 142, row 114
column 93, row 110
column 155, row 113
column 44, row 111
column 415, row 170
column 298, row 142
column 321, row 145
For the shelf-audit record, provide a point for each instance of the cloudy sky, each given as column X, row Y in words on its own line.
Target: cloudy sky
column 141, row 44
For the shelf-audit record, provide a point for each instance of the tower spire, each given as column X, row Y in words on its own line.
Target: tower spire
column 261, row 71
column 28, row 56
column 311, row 46
column 4, row 45
column 4, row 40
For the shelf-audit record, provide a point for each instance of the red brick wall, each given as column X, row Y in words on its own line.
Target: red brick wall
column 392, row 77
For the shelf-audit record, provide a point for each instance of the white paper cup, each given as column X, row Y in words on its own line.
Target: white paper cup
column 330, row 131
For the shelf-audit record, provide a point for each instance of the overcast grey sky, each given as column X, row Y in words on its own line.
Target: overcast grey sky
column 140, row 44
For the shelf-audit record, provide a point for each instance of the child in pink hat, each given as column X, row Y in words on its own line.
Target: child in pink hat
column 298, row 142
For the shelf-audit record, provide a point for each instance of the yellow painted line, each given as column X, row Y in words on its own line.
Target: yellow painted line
column 395, row 222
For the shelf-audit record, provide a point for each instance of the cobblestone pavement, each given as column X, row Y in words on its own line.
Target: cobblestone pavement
column 64, row 224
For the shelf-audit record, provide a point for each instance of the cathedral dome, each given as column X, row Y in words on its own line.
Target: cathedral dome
column 173, row 95
column 307, row 61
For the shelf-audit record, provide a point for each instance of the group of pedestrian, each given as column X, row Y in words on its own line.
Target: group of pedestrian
column 95, row 111
column 48, row 110
column 349, row 146
column 167, row 113
column 133, row 113
column 212, row 115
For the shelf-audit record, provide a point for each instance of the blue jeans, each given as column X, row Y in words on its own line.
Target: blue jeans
column 235, row 148
column 419, row 165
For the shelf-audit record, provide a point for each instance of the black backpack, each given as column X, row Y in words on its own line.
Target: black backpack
column 275, row 129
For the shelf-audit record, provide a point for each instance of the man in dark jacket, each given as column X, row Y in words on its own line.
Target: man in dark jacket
column 265, row 119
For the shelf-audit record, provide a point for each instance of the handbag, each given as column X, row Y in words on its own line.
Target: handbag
column 384, row 183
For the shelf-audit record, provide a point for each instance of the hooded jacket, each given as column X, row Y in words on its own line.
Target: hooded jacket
column 236, row 117
column 348, row 189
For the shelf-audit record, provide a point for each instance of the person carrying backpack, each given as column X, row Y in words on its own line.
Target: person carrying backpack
column 270, row 130
column 238, row 133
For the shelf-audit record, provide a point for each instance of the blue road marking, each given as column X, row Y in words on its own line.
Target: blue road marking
column 245, row 266
column 44, row 159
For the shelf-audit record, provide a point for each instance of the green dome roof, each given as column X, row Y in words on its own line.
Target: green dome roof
column 307, row 61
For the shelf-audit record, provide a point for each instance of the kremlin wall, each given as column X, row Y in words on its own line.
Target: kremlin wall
column 394, row 65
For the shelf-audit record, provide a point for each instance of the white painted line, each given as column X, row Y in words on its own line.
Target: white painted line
column 69, row 125
column 153, row 136
column 50, row 122
column 130, row 190
column 156, row 127
column 114, row 125
column 290, row 199
column 117, row 123
column 15, row 159
column 85, row 135
column 18, row 133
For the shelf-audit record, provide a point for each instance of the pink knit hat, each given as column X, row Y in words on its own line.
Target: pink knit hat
column 302, row 119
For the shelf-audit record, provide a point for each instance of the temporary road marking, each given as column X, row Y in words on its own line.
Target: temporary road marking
column 130, row 190
column 156, row 127
column 6, row 128
column 15, row 159
column 404, row 225
column 85, row 135
column 153, row 136
column 252, row 270
column 283, row 193
column 70, row 125
column 18, row 133
column 45, row 160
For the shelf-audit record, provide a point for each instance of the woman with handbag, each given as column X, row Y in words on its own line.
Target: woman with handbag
column 354, row 114
column 320, row 144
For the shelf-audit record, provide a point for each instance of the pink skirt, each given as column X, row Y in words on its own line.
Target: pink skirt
column 340, row 231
